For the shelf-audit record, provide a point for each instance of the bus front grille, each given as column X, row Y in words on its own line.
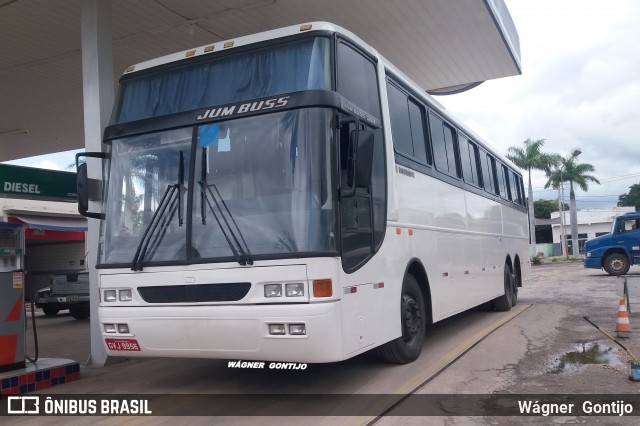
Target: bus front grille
column 223, row 292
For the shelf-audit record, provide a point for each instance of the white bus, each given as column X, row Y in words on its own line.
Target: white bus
column 292, row 196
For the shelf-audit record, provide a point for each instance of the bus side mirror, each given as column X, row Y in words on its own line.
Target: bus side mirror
column 87, row 188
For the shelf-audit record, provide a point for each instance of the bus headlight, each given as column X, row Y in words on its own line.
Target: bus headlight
column 294, row 290
column 273, row 290
column 110, row 296
column 109, row 328
column 589, row 254
column 125, row 295
column 277, row 329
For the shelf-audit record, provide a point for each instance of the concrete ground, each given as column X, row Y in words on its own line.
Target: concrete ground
column 548, row 348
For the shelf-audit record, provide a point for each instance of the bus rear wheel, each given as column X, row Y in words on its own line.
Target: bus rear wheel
column 506, row 301
column 407, row 348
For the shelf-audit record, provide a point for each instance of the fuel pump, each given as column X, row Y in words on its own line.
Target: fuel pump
column 12, row 316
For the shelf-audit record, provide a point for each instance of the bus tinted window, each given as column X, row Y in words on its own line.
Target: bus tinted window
column 357, row 79
column 400, row 125
column 417, row 132
column 406, row 125
column 437, row 140
column 451, row 142
column 469, row 160
column 516, row 189
column 445, row 146
column 503, row 182
column 489, row 173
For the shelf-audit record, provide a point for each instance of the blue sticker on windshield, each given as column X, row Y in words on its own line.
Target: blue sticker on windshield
column 208, row 135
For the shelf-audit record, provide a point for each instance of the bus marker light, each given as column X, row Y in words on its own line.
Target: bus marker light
column 110, row 296
column 410, row 231
column 277, row 329
column 445, row 274
column 294, row 290
column 273, row 290
column 209, row 49
column 131, row 68
column 305, row 27
column 322, row 288
column 110, row 328
column 190, row 53
column 228, row 44
column 398, row 231
column 297, row 329
column 123, row 329
column 378, row 285
column 125, row 295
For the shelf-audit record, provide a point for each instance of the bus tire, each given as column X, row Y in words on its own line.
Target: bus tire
column 505, row 302
column 413, row 316
column 616, row 264
column 516, row 277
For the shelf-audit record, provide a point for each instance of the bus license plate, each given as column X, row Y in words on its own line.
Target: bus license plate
column 122, row 344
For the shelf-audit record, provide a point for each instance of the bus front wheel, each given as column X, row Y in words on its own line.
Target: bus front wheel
column 407, row 348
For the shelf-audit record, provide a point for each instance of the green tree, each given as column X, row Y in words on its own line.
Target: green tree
column 632, row 198
column 542, row 210
column 530, row 157
column 573, row 172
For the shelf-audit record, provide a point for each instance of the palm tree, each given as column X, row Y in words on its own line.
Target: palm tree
column 528, row 158
column 572, row 172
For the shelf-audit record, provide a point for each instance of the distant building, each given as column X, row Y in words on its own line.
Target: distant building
column 591, row 223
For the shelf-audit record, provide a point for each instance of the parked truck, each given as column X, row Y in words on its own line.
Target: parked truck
column 66, row 291
column 617, row 251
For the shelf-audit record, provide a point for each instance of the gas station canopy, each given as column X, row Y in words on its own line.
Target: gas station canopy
column 450, row 45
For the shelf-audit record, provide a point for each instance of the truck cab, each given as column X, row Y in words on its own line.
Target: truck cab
column 617, row 251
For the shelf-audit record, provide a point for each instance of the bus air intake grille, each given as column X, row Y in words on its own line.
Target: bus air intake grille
column 224, row 292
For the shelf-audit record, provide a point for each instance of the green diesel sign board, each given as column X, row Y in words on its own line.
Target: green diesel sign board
column 39, row 184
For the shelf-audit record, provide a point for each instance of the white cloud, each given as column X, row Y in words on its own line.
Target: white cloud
column 580, row 88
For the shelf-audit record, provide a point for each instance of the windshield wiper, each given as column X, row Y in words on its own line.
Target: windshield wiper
column 167, row 204
column 241, row 254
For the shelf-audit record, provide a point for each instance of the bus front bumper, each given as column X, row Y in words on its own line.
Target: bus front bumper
column 238, row 332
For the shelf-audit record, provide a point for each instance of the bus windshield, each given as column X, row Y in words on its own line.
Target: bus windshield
column 270, row 177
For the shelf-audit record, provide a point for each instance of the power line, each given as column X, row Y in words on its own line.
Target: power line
column 603, row 180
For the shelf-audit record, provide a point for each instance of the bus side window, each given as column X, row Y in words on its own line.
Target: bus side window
column 469, row 160
column 407, row 126
column 491, row 181
column 502, row 182
column 445, row 146
column 515, row 187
